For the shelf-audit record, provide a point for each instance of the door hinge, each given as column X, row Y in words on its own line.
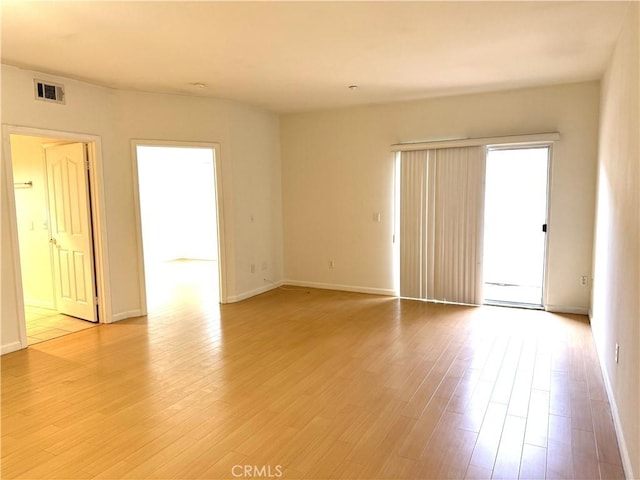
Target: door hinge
column 86, row 163
column 97, row 300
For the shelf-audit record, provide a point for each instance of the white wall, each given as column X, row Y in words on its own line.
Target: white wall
column 10, row 336
column 32, row 216
column 338, row 171
column 616, row 293
column 250, row 159
column 88, row 110
column 257, row 199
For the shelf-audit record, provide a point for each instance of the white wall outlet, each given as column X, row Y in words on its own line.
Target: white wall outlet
column 331, row 264
column 377, row 217
column 617, row 352
column 584, row 280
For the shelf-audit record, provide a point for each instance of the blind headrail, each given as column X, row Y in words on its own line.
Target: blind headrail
column 532, row 138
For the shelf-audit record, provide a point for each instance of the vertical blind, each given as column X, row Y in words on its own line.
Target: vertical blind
column 413, row 223
column 441, row 224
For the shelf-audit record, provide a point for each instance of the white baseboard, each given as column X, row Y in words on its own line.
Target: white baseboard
column 10, row 347
column 253, row 293
column 567, row 309
column 116, row 317
column 344, row 288
column 617, row 423
column 39, row 304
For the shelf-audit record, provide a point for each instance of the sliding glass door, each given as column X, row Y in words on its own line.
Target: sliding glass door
column 515, row 227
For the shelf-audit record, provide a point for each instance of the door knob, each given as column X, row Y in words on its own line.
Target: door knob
column 53, row 241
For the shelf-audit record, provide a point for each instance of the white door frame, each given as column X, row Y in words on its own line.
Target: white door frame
column 98, row 216
column 217, row 172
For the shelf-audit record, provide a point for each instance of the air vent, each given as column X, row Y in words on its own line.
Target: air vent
column 49, row 92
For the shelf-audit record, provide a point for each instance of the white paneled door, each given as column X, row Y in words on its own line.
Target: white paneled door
column 70, row 227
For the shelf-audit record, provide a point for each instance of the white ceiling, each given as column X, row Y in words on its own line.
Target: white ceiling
column 298, row 56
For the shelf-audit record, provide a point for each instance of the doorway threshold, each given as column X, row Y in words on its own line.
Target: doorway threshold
column 498, row 303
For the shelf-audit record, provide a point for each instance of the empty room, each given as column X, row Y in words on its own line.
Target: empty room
column 320, row 240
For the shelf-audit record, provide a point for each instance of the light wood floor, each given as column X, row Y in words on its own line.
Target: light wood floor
column 316, row 385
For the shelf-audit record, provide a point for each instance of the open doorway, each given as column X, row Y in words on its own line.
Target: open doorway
column 55, row 235
column 179, row 225
column 515, row 225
